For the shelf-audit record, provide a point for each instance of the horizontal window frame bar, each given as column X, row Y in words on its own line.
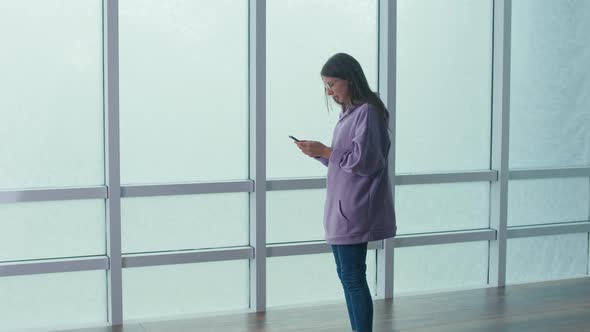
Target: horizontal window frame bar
column 549, row 173
column 244, row 186
column 52, row 194
column 413, row 240
column 548, row 230
column 296, row 184
column 187, row 257
column 307, row 248
column 455, row 177
column 276, row 250
column 9, row 269
column 402, row 179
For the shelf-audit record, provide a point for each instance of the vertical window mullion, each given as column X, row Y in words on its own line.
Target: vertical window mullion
column 500, row 132
column 112, row 159
column 257, row 46
column 387, row 90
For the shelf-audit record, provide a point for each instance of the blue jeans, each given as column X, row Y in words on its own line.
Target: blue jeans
column 351, row 268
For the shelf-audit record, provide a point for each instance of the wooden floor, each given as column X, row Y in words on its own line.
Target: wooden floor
column 549, row 306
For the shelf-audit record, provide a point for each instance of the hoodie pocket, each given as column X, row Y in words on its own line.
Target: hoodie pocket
column 356, row 217
column 341, row 224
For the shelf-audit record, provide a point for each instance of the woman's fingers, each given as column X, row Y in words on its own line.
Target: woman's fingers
column 304, row 147
column 310, row 148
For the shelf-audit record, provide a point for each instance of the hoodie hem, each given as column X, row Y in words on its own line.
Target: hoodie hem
column 361, row 238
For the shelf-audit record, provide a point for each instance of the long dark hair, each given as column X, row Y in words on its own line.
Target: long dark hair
column 345, row 67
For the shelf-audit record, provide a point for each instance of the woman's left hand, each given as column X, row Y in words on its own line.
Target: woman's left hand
column 314, row 149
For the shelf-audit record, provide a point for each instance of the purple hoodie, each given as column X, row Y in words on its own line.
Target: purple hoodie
column 359, row 202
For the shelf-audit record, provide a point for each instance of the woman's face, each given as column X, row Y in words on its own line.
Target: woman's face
column 337, row 88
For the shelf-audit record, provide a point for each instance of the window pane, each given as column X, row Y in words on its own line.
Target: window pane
column 54, row 300
column 442, row 207
column 547, row 201
column 438, row 267
column 184, row 90
column 176, row 290
column 295, row 94
column 289, row 222
column 37, row 230
column 309, row 279
column 550, row 89
column 184, row 222
column 51, row 80
column 546, row 258
column 444, row 77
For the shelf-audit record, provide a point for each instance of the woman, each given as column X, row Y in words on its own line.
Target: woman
column 359, row 202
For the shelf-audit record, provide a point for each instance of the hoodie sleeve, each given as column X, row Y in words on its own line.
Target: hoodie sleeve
column 369, row 152
column 322, row 160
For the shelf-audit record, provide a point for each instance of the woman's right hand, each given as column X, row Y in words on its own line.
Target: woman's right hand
column 314, row 149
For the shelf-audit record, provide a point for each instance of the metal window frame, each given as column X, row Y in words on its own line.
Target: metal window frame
column 308, row 248
column 245, row 186
column 399, row 180
column 500, row 139
column 413, row 240
column 112, row 160
column 187, row 257
column 10, row 269
column 549, row 229
column 257, row 186
column 387, row 80
column 257, row 96
column 278, row 249
column 52, row 194
column 567, row 172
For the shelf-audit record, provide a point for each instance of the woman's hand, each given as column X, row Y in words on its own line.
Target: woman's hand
column 314, row 149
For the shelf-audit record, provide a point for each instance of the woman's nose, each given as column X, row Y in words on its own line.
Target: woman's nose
column 329, row 92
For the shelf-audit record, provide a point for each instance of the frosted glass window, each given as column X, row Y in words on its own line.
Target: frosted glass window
column 37, row 230
column 546, row 258
column 184, row 222
column 184, row 90
column 440, row 267
column 444, row 77
column 53, row 301
column 442, row 207
column 306, row 279
column 301, row 36
column 550, row 84
column 51, row 80
column 180, row 290
column 547, row 201
column 294, row 216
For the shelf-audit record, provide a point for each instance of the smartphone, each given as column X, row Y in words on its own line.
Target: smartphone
column 293, row 138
